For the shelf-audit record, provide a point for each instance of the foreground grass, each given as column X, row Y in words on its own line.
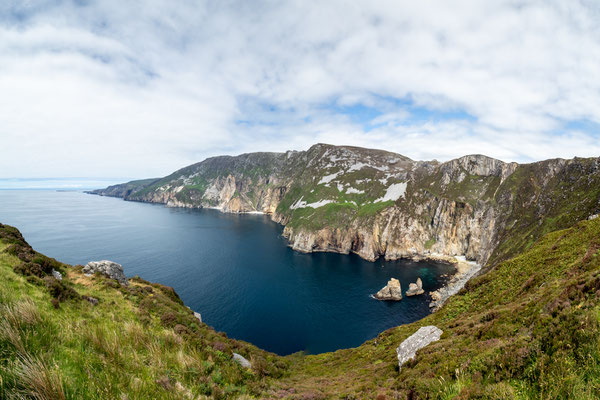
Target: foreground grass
column 139, row 342
column 527, row 329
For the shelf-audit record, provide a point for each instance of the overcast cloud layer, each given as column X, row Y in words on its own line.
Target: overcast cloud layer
column 139, row 89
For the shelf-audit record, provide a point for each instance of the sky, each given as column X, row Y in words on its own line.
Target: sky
column 136, row 89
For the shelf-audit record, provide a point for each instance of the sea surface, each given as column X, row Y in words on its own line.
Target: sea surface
column 236, row 270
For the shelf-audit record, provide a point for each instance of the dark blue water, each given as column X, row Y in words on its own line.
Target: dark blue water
column 236, row 270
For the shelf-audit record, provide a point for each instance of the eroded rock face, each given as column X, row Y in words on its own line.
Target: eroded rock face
column 392, row 291
column 415, row 289
column 379, row 204
column 421, row 338
column 106, row 268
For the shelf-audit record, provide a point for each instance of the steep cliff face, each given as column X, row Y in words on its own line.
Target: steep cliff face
column 376, row 203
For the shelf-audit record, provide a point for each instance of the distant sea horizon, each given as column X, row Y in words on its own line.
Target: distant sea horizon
column 77, row 183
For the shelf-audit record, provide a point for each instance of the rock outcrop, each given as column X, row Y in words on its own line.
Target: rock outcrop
column 415, row 289
column 421, row 338
column 391, row 291
column 241, row 360
column 57, row 275
column 198, row 316
column 107, row 268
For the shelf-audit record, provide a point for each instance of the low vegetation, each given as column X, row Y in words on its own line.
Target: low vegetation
column 526, row 329
column 89, row 337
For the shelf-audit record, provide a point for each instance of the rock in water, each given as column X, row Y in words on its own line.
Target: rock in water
column 415, row 288
column 421, row 338
column 392, row 291
column 107, row 268
column 242, row 361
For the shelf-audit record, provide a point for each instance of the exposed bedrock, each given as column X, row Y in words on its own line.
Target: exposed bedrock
column 392, row 291
column 407, row 350
column 380, row 204
column 107, row 268
column 454, row 229
column 415, row 289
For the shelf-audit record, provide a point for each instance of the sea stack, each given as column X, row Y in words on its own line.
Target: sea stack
column 392, row 291
column 415, row 288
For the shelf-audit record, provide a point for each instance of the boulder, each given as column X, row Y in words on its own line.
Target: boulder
column 421, row 338
column 415, row 288
column 242, row 361
column 92, row 300
column 106, row 268
column 392, row 291
column 57, row 275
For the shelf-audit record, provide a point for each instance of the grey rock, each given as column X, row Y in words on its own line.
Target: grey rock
column 107, row 268
column 591, row 217
column 415, row 289
column 57, row 275
column 198, row 316
column 421, row 338
column 92, row 300
column 242, row 361
column 392, row 291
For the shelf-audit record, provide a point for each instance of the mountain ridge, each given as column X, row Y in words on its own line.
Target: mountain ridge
column 376, row 203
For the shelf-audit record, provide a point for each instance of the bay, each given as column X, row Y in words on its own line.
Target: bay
column 236, row 270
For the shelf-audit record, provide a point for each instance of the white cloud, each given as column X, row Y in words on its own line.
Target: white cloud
column 116, row 88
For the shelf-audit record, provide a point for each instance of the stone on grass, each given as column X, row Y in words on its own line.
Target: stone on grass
column 106, row 268
column 421, row 338
column 242, row 361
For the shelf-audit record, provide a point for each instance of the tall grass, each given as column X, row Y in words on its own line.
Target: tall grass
column 37, row 381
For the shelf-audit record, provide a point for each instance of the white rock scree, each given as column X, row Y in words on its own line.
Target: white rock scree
column 421, row 338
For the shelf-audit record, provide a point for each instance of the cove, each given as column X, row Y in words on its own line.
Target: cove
column 236, row 270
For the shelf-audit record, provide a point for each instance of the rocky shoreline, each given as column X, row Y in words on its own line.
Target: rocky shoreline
column 465, row 270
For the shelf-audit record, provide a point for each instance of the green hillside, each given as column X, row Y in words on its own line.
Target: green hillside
column 527, row 329
column 138, row 342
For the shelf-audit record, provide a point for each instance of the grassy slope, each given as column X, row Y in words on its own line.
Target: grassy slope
column 138, row 342
column 527, row 329
column 571, row 195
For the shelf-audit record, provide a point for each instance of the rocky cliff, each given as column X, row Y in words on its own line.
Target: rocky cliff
column 376, row 203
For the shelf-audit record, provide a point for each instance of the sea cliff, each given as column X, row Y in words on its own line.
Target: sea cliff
column 380, row 204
